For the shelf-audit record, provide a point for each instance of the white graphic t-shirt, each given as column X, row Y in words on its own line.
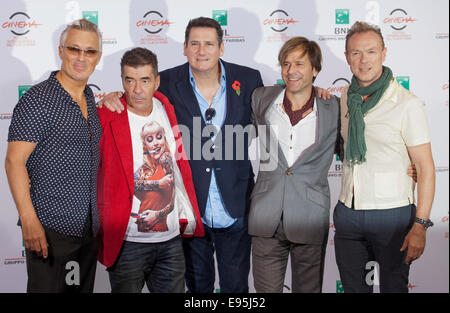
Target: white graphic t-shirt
column 158, row 187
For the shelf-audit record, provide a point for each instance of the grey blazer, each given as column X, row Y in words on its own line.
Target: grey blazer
column 299, row 195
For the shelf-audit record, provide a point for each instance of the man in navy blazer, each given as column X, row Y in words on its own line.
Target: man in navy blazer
column 210, row 95
column 212, row 101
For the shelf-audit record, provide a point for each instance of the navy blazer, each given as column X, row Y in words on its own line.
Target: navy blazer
column 233, row 170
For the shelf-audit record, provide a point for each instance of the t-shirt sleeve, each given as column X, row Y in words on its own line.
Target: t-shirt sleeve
column 28, row 121
column 415, row 129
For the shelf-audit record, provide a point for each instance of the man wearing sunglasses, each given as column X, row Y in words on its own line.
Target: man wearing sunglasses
column 51, row 163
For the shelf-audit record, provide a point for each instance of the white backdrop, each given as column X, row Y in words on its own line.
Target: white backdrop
column 416, row 36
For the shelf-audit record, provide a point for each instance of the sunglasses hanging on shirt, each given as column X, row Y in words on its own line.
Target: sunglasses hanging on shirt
column 209, row 114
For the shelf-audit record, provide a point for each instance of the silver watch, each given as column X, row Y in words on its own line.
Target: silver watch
column 425, row 223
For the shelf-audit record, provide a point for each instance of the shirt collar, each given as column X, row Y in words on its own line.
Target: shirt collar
column 55, row 83
column 222, row 75
column 279, row 100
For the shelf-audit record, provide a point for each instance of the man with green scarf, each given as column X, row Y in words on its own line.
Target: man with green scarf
column 384, row 128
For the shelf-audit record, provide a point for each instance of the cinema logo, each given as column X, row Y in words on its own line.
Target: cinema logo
column 441, row 36
column 411, row 286
column 14, row 261
column 341, row 28
column 20, row 24
column 445, row 91
column 17, row 260
column 221, row 17
column 337, row 88
column 398, row 20
column 98, row 93
column 279, row 21
column 5, row 116
column 155, row 26
column 333, row 229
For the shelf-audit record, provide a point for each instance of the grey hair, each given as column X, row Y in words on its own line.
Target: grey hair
column 84, row 25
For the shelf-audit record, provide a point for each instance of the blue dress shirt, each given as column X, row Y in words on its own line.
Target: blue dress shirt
column 216, row 216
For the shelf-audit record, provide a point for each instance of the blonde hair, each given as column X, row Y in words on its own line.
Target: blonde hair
column 363, row 27
column 148, row 128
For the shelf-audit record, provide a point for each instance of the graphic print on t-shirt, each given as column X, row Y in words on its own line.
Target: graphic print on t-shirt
column 154, row 181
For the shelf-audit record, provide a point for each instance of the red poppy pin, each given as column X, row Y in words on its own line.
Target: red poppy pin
column 237, row 87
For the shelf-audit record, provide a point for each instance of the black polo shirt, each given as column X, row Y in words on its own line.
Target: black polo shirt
column 63, row 166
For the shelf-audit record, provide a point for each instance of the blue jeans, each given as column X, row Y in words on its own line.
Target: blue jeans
column 372, row 235
column 159, row 265
column 232, row 246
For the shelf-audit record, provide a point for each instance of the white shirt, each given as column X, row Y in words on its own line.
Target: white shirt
column 181, row 200
column 396, row 122
column 293, row 140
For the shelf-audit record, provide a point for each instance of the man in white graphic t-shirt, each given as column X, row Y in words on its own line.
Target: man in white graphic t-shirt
column 146, row 197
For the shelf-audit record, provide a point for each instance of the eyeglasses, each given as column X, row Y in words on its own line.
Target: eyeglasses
column 209, row 114
column 74, row 51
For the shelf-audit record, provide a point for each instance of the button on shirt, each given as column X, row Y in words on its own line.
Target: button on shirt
column 63, row 166
column 216, row 216
column 295, row 139
column 396, row 122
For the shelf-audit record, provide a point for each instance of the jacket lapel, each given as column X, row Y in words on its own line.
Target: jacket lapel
column 186, row 93
column 265, row 103
column 121, row 132
column 322, row 107
column 232, row 105
column 268, row 100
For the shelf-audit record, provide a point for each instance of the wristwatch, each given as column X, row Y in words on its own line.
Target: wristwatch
column 425, row 223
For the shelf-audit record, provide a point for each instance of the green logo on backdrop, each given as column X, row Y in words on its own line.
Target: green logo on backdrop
column 404, row 81
column 339, row 287
column 342, row 16
column 23, row 89
column 220, row 16
column 91, row 16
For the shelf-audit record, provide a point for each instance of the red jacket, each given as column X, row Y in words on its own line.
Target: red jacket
column 115, row 184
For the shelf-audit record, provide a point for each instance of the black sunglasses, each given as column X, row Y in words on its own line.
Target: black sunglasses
column 209, row 114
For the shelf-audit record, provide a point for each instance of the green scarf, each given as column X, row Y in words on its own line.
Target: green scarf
column 356, row 142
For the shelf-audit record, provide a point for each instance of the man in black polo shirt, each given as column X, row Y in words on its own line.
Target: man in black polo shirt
column 51, row 163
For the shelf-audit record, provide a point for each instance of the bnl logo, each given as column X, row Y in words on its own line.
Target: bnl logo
column 342, row 16
column 91, row 16
column 221, row 16
column 23, row 89
column 339, row 287
column 404, row 81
